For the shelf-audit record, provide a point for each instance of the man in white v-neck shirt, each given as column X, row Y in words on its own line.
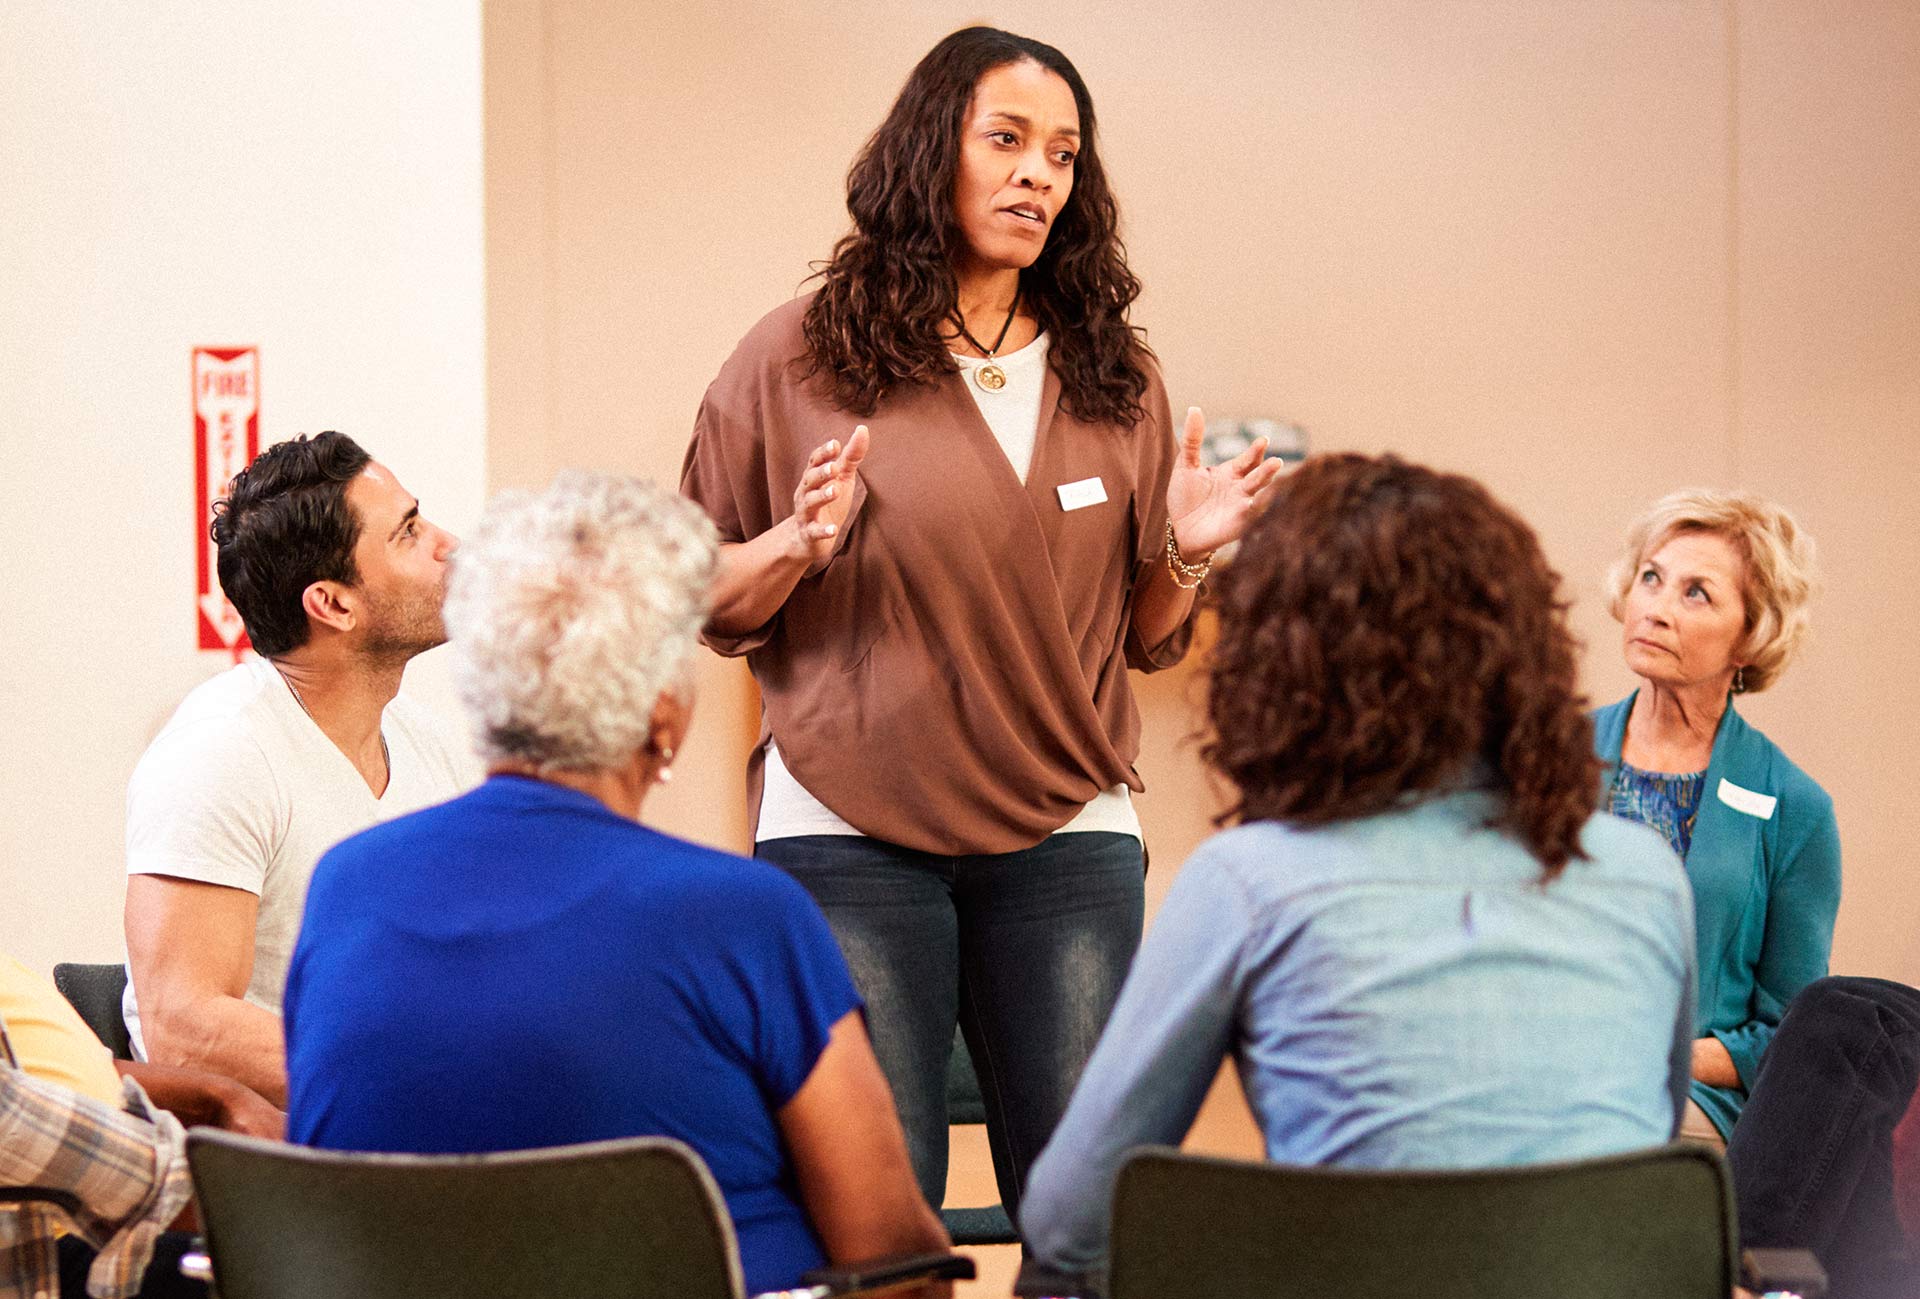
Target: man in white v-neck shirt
column 262, row 769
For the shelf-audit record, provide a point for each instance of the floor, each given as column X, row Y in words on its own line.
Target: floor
column 1223, row 1128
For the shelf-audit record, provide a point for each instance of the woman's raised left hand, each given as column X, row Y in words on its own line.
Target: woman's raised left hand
column 1210, row 507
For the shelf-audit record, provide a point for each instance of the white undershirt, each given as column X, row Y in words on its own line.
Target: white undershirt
column 787, row 809
column 1012, row 412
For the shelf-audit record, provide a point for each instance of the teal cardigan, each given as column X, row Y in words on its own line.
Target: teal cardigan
column 1765, row 867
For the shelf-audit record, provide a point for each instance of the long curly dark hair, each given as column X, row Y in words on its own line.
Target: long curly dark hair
column 1383, row 627
column 889, row 286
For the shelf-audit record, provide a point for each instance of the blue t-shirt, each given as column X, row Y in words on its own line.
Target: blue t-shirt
column 523, row 967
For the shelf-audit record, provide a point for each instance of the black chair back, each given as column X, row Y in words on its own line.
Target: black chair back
column 95, row 991
column 638, row 1218
column 1657, row 1224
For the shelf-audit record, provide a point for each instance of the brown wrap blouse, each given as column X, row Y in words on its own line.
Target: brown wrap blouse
column 953, row 679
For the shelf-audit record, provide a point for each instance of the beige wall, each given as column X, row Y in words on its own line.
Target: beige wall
column 1827, row 415
column 303, row 178
column 1587, row 252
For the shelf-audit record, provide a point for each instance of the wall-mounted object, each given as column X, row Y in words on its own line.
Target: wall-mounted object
column 1227, row 438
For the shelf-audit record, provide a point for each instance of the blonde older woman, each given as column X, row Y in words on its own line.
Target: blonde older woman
column 1712, row 594
column 528, row 966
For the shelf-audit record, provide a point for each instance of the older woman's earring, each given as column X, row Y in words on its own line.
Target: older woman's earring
column 1740, row 681
column 664, row 772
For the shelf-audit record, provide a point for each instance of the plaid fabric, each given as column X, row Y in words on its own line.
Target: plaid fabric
column 114, row 1178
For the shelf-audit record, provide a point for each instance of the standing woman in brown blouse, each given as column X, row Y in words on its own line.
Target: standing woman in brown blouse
column 957, row 514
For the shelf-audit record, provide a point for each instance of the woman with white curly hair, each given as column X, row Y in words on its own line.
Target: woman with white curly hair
column 1712, row 592
column 528, row 966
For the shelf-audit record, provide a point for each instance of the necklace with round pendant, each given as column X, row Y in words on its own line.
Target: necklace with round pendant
column 990, row 376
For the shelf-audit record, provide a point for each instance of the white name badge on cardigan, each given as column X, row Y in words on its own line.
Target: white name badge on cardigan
column 1746, row 800
column 1078, row 496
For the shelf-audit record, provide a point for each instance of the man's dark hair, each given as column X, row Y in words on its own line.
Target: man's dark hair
column 283, row 525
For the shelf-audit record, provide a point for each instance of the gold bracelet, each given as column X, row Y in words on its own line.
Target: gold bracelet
column 1178, row 568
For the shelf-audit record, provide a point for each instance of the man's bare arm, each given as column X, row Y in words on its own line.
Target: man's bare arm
column 190, row 947
column 197, row 1097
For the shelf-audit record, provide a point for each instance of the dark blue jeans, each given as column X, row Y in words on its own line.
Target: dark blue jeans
column 1026, row 949
column 1812, row 1154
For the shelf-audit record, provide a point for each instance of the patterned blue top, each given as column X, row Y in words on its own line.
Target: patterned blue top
column 1668, row 803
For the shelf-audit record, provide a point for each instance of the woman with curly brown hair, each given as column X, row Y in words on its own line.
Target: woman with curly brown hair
column 1420, row 944
column 941, row 608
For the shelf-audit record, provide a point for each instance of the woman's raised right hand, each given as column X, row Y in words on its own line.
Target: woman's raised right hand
column 825, row 494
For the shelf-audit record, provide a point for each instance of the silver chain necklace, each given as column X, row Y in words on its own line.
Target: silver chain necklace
column 386, row 758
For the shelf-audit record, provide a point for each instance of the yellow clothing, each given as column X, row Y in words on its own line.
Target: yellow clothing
column 50, row 1039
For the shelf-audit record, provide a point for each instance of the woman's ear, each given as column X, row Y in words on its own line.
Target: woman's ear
column 667, row 729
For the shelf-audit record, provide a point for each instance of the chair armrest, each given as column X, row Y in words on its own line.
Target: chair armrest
column 1783, row 1271
column 65, row 1201
column 883, row 1274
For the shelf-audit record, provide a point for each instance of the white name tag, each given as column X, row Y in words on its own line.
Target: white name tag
column 1745, row 800
column 1078, row 496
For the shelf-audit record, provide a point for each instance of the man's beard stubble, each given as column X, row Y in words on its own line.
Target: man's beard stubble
column 400, row 628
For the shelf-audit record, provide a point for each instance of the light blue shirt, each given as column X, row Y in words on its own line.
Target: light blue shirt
column 1399, row 991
